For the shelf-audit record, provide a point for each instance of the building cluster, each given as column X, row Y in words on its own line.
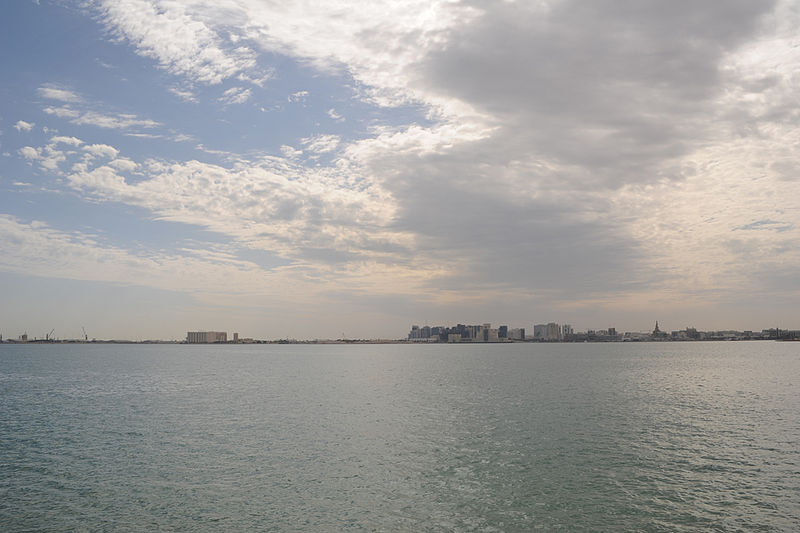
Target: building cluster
column 214, row 337
column 553, row 332
column 465, row 333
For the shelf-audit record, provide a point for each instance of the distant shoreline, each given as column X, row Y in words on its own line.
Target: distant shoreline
column 385, row 341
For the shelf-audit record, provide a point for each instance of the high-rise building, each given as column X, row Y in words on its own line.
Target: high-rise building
column 206, row 337
column 553, row 332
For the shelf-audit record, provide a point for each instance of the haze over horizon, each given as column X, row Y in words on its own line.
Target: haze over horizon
column 312, row 170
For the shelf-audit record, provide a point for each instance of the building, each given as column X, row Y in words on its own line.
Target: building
column 517, row 334
column 206, row 337
column 540, row 331
column 553, row 332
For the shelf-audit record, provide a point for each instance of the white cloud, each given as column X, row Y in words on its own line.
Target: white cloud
column 101, row 150
column 61, row 139
column 120, row 121
column 21, row 125
column 49, row 157
column 299, row 96
column 334, row 115
column 57, row 93
column 235, row 95
column 30, row 153
column 271, row 204
column 182, row 137
column 62, row 112
column 185, row 95
column 179, row 38
column 115, row 121
column 290, row 152
column 321, row 144
column 123, row 165
column 36, row 249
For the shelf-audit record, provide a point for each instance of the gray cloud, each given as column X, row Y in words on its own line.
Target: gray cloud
column 610, row 86
column 587, row 97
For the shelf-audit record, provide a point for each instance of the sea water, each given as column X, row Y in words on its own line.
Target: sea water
column 688, row 436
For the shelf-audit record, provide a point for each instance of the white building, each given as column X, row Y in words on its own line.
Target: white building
column 206, row 337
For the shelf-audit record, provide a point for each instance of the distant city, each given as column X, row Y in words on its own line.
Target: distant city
column 553, row 332
column 460, row 333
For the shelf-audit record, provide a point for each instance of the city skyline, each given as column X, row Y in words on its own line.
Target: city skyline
column 483, row 332
column 344, row 168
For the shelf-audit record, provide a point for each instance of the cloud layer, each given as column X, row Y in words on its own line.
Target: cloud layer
column 576, row 160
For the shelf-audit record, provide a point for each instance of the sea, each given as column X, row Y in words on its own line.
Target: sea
column 672, row 437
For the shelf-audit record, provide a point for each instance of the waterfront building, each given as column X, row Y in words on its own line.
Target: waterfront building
column 553, row 332
column 517, row 334
column 206, row 337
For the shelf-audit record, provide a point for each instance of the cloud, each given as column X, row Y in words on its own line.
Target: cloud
column 53, row 92
column 299, row 96
column 62, row 112
column 87, row 117
column 123, row 165
column 179, row 38
column 61, row 139
column 272, row 204
column 321, row 144
column 101, row 150
column 290, row 152
column 571, row 156
column 771, row 225
column 120, row 121
column 334, row 115
column 34, row 248
column 30, row 153
column 21, row 125
column 235, row 95
column 49, row 157
column 183, row 94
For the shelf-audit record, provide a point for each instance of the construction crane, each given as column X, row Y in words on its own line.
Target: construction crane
column 85, row 336
column 49, row 336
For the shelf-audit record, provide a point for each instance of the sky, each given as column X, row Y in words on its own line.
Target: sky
column 347, row 169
